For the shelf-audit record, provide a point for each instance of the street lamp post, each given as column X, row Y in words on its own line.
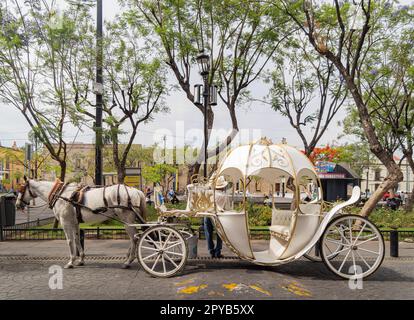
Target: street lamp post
column 209, row 97
column 98, row 92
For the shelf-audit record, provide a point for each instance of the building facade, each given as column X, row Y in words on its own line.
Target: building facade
column 375, row 172
column 11, row 167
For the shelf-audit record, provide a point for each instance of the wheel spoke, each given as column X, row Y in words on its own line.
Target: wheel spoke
column 353, row 261
column 175, row 253
column 172, row 261
column 337, row 252
column 326, row 245
column 148, row 239
column 350, row 230
column 159, row 238
column 362, row 242
column 363, row 259
column 362, row 229
column 149, row 248
column 151, row 255
column 363, row 249
column 343, row 262
column 163, row 263
column 155, row 263
column 167, row 240
column 173, row 245
column 338, row 243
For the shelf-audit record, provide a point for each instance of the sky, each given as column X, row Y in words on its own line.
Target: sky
column 184, row 121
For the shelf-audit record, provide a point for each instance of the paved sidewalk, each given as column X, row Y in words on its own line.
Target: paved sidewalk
column 24, row 275
column 58, row 248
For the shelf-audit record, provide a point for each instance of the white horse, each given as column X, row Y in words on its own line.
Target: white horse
column 65, row 212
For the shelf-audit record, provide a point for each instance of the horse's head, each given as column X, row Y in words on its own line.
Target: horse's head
column 25, row 195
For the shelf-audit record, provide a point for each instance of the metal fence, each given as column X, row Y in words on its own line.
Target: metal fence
column 13, row 233
column 33, row 224
column 8, row 234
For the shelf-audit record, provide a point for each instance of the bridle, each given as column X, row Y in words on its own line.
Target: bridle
column 22, row 191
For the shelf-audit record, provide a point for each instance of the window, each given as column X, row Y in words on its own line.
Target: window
column 377, row 174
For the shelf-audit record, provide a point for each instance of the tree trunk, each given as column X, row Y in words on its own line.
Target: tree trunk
column 121, row 174
column 409, row 202
column 62, row 164
column 394, row 171
column 62, row 176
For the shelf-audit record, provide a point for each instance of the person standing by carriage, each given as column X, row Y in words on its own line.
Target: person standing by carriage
column 221, row 201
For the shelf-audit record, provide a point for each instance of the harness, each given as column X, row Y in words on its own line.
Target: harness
column 56, row 192
column 25, row 187
column 77, row 200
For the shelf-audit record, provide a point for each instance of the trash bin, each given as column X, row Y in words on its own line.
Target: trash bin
column 7, row 210
column 2, row 211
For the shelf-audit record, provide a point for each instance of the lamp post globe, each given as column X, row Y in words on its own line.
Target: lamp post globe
column 203, row 61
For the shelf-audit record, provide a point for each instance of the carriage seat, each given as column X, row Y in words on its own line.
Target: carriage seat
column 281, row 223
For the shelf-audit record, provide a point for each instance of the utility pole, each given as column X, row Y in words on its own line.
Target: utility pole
column 98, row 92
column 165, row 147
column 367, row 188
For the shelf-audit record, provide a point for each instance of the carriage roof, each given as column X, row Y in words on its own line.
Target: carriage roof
column 257, row 158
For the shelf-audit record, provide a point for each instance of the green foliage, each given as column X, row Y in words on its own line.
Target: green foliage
column 157, row 172
column 42, row 73
column 386, row 218
column 259, row 215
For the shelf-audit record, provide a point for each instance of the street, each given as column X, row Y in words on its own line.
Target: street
column 25, row 273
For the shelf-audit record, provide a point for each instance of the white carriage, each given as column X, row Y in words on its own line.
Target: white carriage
column 350, row 246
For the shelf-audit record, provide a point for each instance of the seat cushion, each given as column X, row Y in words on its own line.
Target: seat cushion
column 280, row 231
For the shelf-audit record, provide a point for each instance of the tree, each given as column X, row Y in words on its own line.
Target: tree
column 307, row 90
column 389, row 84
column 327, row 153
column 159, row 173
column 330, row 30
column 36, row 48
column 241, row 37
column 135, row 86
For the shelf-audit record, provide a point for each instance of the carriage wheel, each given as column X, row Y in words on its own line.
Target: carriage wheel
column 314, row 253
column 162, row 251
column 363, row 247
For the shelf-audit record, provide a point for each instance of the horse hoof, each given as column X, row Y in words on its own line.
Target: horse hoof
column 79, row 263
column 126, row 266
column 68, row 266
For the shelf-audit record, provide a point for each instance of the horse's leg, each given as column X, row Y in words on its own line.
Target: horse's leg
column 132, row 231
column 79, row 248
column 129, row 217
column 70, row 238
